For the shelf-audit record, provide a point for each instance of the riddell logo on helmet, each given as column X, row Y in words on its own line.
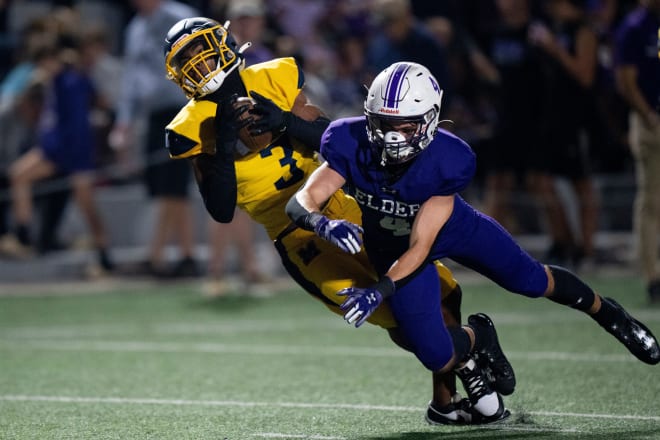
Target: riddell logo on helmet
column 392, row 111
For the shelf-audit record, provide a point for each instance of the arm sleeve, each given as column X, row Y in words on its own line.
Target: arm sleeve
column 301, row 217
column 308, row 132
column 217, row 184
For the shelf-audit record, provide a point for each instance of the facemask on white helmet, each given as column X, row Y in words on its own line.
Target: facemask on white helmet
column 403, row 111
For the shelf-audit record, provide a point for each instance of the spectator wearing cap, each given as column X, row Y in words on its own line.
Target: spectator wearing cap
column 248, row 18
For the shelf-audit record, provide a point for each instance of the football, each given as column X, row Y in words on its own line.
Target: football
column 252, row 143
column 256, row 143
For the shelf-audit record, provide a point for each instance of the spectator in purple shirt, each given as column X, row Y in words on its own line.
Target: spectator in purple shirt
column 64, row 146
column 637, row 57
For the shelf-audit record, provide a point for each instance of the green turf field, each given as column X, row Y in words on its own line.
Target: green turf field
column 163, row 362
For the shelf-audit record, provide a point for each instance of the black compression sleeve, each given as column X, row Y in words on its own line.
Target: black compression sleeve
column 218, row 184
column 385, row 286
column 301, row 217
column 308, row 132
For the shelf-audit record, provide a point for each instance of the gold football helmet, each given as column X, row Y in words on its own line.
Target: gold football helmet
column 200, row 53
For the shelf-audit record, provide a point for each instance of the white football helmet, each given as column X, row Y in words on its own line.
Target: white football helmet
column 404, row 92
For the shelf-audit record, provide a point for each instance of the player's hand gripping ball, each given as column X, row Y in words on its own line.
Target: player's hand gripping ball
column 245, row 118
column 261, row 121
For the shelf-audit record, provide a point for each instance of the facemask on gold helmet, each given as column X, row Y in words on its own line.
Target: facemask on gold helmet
column 200, row 54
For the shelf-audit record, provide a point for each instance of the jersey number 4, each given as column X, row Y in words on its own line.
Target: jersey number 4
column 398, row 226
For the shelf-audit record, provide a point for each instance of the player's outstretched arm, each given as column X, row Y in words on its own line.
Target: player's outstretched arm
column 432, row 216
column 304, row 208
column 360, row 303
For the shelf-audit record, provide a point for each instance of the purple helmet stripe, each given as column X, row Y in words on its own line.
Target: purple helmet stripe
column 394, row 85
column 387, row 89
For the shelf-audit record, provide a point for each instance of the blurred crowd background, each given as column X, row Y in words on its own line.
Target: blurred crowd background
column 505, row 92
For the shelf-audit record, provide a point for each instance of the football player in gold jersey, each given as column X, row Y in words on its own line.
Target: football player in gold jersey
column 205, row 61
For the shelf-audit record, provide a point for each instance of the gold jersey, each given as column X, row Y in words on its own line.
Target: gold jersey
column 265, row 179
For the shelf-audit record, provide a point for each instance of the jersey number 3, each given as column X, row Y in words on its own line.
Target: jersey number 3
column 296, row 173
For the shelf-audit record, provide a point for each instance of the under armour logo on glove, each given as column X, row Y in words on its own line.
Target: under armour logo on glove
column 360, row 303
column 342, row 233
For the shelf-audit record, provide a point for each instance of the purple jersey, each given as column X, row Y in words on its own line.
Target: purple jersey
column 389, row 206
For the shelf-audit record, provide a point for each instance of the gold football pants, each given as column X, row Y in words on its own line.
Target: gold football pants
column 323, row 269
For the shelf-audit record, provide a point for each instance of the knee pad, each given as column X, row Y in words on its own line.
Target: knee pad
column 570, row 290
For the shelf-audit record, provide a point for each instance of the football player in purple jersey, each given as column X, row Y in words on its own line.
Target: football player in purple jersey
column 406, row 175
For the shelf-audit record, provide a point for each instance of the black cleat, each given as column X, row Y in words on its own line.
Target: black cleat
column 637, row 338
column 458, row 412
column 490, row 357
column 486, row 404
column 480, row 419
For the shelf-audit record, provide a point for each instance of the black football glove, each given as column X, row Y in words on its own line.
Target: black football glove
column 270, row 116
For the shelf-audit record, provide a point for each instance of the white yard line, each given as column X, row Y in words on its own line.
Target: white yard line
column 237, row 326
column 230, row 327
column 303, row 436
column 297, row 405
column 186, row 347
column 279, row 350
column 594, row 416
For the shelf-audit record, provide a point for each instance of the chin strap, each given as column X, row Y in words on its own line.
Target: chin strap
column 244, row 47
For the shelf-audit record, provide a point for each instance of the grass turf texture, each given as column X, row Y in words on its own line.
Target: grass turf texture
column 165, row 363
